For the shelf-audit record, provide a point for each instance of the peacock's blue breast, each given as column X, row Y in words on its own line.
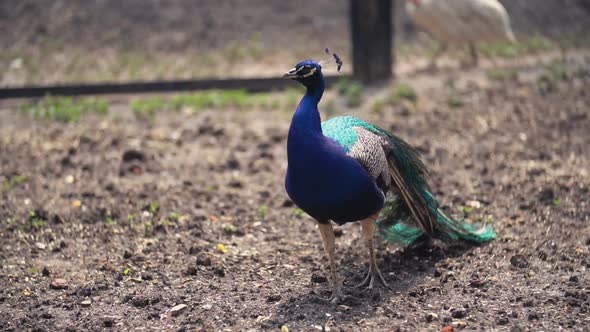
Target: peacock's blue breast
column 329, row 185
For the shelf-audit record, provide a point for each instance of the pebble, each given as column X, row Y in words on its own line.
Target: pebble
column 203, row 260
column 460, row 324
column 40, row 245
column 220, row 272
column 458, row 313
column 273, row 298
column 318, row 278
column 59, row 284
column 519, row 261
column 207, row 306
column 503, row 321
column 108, row 322
column 431, row 316
column 140, row 301
column 86, row 303
column 177, row 309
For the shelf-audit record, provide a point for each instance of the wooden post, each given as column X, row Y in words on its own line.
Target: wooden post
column 371, row 27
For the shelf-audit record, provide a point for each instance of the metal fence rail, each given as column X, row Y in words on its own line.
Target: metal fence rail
column 248, row 84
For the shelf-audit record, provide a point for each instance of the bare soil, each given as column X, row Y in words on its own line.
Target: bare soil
column 119, row 220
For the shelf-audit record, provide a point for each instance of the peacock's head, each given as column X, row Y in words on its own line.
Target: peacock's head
column 309, row 72
column 305, row 72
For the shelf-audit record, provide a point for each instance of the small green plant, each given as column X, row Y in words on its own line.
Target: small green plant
column 110, row 221
column 466, row 210
column 533, row 44
column 175, row 217
column 131, row 218
column 537, row 43
column 229, row 229
column 298, row 213
column 500, row 49
column 148, row 228
column 127, row 271
column 455, row 101
column 153, row 208
column 502, row 74
column 548, row 81
column 378, row 106
column 35, row 221
column 14, row 182
column 65, row 109
column 557, row 70
column 172, row 219
column 33, row 270
column 403, row 91
column 262, row 211
column 148, row 107
column 351, row 91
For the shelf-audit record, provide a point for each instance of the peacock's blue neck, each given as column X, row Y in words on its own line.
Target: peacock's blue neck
column 306, row 119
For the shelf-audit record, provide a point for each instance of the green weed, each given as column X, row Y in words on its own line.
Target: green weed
column 501, row 74
column 110, row 221
column 14, row 182
column 530, row 45
column 35, row 221
column 214, row 99
column 153, row 208
column 262, row 211
column 455, row 101
column 65, row 109
column 378, row 106
column 147, row 107
column 351, row 91
column 298, row 213
column 403, row 91
column 549, row 80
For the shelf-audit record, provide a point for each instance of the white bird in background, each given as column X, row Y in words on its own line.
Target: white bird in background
column 460, row 22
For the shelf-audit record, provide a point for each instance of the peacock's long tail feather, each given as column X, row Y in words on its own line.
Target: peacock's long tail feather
column 397, row 226
column 412, row 211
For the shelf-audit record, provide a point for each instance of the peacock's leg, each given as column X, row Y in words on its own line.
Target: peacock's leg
column 374, row 275
column 330, row 246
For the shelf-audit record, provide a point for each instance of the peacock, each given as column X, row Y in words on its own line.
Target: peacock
column 461, row 22
column 347, row 170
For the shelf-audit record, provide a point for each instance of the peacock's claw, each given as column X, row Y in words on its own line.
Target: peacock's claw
column 336, row 298
column 373, row 277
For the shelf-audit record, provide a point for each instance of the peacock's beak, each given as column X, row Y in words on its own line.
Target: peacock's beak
column 291, row 73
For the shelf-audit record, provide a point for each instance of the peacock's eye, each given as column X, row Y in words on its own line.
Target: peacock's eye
column 304, row 70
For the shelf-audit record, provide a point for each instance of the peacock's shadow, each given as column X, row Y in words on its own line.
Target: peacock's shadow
column 406, row 273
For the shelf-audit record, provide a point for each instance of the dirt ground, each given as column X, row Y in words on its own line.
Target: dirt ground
column 111, row 223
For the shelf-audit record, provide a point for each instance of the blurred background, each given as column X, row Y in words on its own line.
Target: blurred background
column 65, row 41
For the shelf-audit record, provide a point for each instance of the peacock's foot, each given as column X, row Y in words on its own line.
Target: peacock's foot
column 337, row 297
column 373, row 278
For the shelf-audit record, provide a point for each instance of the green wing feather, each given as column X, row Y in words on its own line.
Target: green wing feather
column 411, row 211
column 341, row 129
